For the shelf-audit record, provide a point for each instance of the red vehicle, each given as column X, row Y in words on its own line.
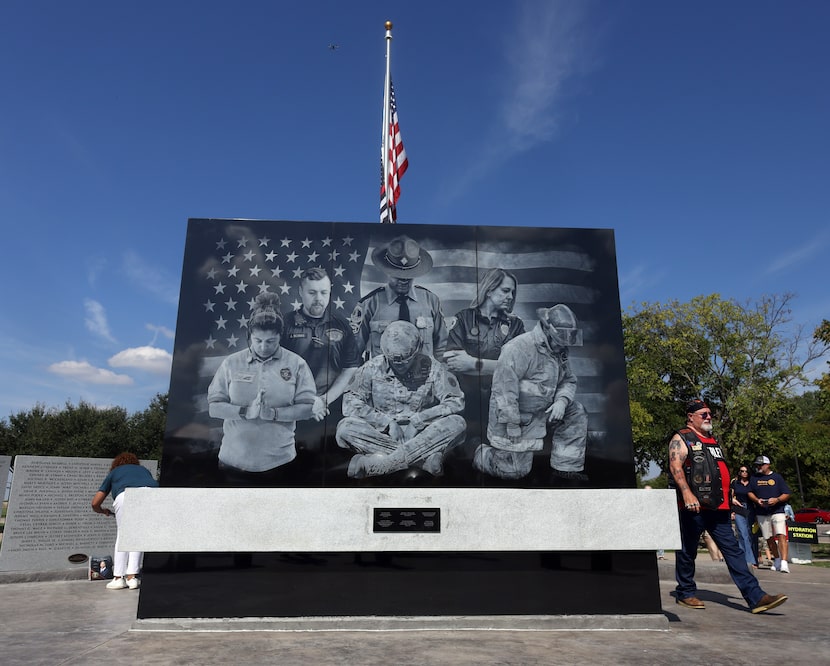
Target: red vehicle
column 812, row 515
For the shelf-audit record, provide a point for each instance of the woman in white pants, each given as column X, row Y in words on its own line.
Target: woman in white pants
column 125, row 472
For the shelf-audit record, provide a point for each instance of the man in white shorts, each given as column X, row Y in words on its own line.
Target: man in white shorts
column 770, row 493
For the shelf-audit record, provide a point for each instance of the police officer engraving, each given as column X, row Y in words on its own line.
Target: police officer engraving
column 403, row 260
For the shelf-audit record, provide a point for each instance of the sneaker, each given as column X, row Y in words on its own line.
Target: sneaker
column 116, row 584
column 784, row 567
column 776, row 564
column 768, row 602
column 133, row 583
column 694, row 602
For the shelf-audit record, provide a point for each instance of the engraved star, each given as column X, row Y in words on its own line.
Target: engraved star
column 220, row 323
column 296, row 304
column 339, row 303
column 313, row 257
column 233, row 271
column 326, row 241
column 255, row 271
column 291, row 257
column 264, row 241
column 241, row 287
column 263, row 287
column 210, row 342
column 220, row 288
column 276, row 272
column 333, row 255
column 242, row 242
column 348, row 240
column 243, row 321
column 220, row 245
column 284, row 288
column 354, row 256
column 338, row 271
column 249, row 255
column 270, row 256
column 252, row 304
column 306, row 242
column 209, row 305
column 211, row 273
column 285, row 242
column 227, row 258
column 348, row 287
column 232, row 340
column 230, row 304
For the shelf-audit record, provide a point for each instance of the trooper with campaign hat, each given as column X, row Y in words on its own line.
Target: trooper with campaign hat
column 401, row 409
column 402, row 260
column 699, row 474
column 533, row 394
column 769, row 492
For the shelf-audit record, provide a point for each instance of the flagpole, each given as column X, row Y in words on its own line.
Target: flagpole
column 387, row 120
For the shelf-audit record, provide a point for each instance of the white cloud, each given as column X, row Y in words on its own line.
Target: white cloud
column 150, row 359
column 151, row 278
column 96, row 320
column 800, row 255
column 159, row 330
column 544, row 51
column 547, row 47
column 85, row 372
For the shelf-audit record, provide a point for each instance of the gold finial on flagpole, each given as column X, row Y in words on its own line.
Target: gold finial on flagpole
column 388, row 25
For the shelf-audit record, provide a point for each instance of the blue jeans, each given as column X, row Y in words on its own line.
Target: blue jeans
column 745, row 538
column 719, row 526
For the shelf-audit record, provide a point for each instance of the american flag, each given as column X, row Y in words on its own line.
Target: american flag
column 396, row 164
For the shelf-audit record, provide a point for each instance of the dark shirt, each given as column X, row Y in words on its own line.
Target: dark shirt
column 127, row 476
column 742, row 495
column 480, row 336
column 326, row 344
column 767, row 486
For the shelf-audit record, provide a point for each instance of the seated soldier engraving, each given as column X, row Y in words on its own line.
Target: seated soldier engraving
column 401, row 409
column 533, row 393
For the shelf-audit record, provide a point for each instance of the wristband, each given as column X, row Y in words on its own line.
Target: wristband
column 479, row 364
column 242, row 411
column 276, row 411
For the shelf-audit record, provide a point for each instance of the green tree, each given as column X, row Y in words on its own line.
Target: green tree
column 84, row 430
column 744, row 359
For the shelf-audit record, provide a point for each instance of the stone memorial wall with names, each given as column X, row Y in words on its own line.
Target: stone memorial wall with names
column 49, row 523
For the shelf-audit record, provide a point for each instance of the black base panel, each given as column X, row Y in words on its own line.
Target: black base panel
column 228, row 585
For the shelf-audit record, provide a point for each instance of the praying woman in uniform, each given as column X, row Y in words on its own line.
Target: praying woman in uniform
column 260, row 393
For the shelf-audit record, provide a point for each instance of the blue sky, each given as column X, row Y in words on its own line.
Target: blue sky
column 698, row 131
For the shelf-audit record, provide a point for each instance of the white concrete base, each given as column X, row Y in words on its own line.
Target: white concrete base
column 644, row 622
column 341, row 519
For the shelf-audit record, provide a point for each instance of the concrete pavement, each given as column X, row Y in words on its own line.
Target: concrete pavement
column 81, row 622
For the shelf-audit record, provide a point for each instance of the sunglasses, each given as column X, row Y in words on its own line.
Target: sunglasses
column 744, row 471
column 705, row 415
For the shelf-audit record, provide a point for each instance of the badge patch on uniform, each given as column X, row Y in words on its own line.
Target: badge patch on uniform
column 285, row 373
column 356, row 318
column 421, row 322
column 334, row 334
column 297, row 334
column 474, row 330
column 451, row 322
column 697, row 446
column 505, row 329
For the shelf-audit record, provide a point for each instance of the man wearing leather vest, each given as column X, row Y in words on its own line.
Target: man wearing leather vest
column 699, row 474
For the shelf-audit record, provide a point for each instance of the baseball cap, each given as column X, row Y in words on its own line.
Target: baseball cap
column 761, row 460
